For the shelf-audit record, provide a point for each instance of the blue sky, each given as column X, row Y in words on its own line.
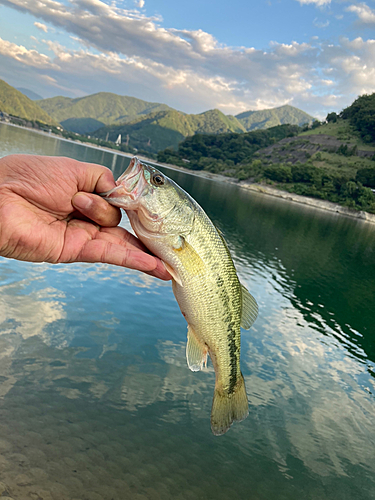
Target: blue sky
column 194, row 55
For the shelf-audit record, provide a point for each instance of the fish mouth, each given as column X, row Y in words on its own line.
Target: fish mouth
column 129, row 186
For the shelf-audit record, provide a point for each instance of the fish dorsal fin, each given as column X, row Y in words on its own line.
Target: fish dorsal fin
column 190, row 259
column 249, row 309
column 196, row 353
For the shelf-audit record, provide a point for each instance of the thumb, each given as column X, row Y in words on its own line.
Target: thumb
column 97, row 209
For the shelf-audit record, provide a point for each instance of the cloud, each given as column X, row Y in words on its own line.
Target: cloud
column 320, row 24
column 140, row 4
column 364, row 13
column 318, row 3
column 126, row 52
column 41, row 26
column 25, row 56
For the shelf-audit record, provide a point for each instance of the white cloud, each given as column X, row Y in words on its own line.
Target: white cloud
column 140, row 4
column 41, row 27
column 364, row 13
column 318, row 3
column 25, row 56
column 320, row 24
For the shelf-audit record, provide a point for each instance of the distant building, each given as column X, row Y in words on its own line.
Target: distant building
column 118, row 140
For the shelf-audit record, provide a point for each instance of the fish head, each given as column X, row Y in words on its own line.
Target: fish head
column 155, row 204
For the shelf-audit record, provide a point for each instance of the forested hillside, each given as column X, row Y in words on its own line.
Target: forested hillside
column 334, row 160
column 151, row 126
column 266, row 118
column 105, row 107
column 361, row 114
column 13, row 102
column 166, row 129
column 218, row 153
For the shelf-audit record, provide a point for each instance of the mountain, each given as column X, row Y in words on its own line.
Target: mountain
column 166, row 129
column 153, row 126
column 266, row 118
column 333, row 161
column 30, row 94
column 104, row 107
column 82, row 125
column 13, row 102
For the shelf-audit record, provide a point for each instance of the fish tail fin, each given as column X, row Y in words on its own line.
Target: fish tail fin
column 228, row 408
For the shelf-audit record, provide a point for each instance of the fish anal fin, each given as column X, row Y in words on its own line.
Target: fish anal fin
column 249, row 309
column 196, row 352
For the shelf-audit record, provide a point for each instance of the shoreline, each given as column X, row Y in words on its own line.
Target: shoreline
column 257, row 188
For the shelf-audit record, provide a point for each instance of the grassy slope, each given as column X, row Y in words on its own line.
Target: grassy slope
column 105, row 107
column 343, row 131
column 254, row 120
column 13, row 102
column 316, row 147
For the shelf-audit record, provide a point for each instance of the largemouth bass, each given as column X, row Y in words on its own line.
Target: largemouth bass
column 175, row 228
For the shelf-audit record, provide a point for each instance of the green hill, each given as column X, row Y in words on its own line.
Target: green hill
column 112, row 109
column 13, row 102
column 332, row 161
column 166, row 129
column 152, row 127
column 361, row 115
column 82, row 125
column 266, row 118
column 105, row 107
column 223, row 153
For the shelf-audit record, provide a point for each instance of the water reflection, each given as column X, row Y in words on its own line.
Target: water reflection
column 97, row 402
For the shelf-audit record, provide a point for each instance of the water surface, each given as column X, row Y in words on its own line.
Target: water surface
column 97, row 402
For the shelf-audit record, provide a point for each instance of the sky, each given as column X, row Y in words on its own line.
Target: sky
column 194, row 55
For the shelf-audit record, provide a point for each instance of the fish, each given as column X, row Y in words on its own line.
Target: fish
column 173, row 226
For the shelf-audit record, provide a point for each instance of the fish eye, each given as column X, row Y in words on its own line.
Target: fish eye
column 157, row 179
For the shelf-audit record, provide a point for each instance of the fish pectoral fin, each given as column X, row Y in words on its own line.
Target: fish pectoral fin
column 173, row 273
column 196, row 352
column 249, row 309
column 190, row 259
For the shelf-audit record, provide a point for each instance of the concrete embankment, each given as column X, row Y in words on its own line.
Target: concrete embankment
column 278, row 193
column 312, row 202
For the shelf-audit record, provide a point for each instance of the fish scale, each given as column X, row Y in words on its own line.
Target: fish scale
column 215, row 305
column 212, row 300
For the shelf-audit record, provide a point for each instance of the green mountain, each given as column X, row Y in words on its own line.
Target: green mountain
column 13, row 102
column 150, row 126
column 82, row 125
column 266, row 118
column 104, row 107
column 166, row 129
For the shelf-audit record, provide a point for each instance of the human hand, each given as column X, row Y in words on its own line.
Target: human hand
column 43, row 201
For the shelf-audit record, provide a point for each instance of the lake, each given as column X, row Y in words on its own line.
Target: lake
column 97, row 401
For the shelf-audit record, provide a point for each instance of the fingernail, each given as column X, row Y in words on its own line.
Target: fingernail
column 82, row 201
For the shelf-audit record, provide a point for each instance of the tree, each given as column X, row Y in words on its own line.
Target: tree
column 366, row 176
column 332, row 117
